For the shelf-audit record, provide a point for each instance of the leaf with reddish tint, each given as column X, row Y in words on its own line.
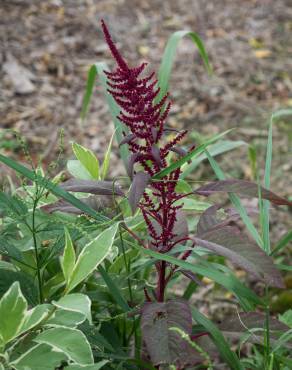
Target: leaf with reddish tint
column 228, row 242
column 212, row 218
column 236, row 325
column 139, row 184
column 127, row 139
column 242, row 187
column 130, row 164
column 163, row 345
column 92, row 187
column 94, row 202
column 156, row 155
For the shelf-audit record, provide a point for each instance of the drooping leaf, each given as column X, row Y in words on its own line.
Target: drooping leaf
column 139, row 184
column 130, row 164
column 163, row 345
column 228, row 280
column 13, row 308
column 92, row 255
column 92, row 187
column 95, row 202
column 254, row 323
column 55, row 189
column 68, row 259
column 212, row 218
column 76, row 302
column 228, row 242
column 70, row 341
column 88, row 159
column 41, row 357
column 156, row 155
column 242, row 187
column 236, row 202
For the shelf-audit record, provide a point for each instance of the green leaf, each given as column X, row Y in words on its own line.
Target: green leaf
column 13, row 308
column 70, row 341
column 96, row 366
column 98, row 69
column 169, row 54
column 114, row 290
column 282, row 242
column 106, row 161
column 188, row 157
column 55, row 189
column 27, row 285
column 87, row 159
column 68, row 260
column 214, row 150
column 35, row 316
column 76, row 302
column 92, row 255
column 77, row 170
column 70, row 319
column 40, row 357
column 265, row 210
column 224, row 348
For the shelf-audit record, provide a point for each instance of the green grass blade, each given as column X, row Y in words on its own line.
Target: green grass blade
column 265, row 210
column 53, row 188
column 236, row 202
column 169, row 55
column 214, row 149
column 224, row 348
column 98, row 69
column 188, row 157
column 114, row 290
column 282, row 243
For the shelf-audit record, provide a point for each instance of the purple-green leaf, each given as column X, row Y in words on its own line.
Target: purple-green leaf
column 228, row 242
column 242, row 187
column 139, row 184
column 163, row 345
column 92, row 187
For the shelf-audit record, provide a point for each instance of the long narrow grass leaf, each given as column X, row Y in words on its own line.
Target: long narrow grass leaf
column 169, row 55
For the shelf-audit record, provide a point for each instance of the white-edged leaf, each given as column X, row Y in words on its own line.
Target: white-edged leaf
column 70, row 341
column 77, row 170
column 35, row 316
column 87, row 158
column 92, row 255
column 13, row 308
column 76, row 302
column 96, row 366
column 70, row 319
column 69, row 257
column 40, row 357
